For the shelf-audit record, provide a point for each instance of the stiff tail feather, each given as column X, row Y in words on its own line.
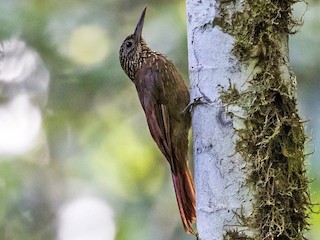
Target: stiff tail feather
column 185, row 194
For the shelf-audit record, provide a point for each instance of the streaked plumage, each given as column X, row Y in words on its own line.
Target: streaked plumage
column 164, row 96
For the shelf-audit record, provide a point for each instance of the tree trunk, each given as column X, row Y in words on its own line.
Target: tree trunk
column 219, row 175
column 249, row 169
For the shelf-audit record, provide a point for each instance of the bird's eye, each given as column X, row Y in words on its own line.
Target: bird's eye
column 128, row 44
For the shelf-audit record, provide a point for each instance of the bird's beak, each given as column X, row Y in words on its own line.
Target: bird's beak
column 138, row 31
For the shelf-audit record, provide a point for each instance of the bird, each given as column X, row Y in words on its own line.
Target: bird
column 164, row 98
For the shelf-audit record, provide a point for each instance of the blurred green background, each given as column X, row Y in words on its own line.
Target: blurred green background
column 76, row 158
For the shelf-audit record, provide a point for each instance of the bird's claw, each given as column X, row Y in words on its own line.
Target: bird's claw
column 197, row 101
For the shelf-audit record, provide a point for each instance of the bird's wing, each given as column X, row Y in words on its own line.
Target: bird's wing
column 151, row 92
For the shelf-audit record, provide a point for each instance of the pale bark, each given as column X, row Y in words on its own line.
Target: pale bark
column 219, row 176
column 259, row 89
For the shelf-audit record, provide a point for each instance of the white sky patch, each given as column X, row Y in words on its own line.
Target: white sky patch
column 20, row 126
column 86, row 218
column 18, row 61
column 24, row 82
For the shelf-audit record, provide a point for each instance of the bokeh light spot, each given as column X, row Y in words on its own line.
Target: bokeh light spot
column 20, row 126
column 88, row 44
column 86, row 218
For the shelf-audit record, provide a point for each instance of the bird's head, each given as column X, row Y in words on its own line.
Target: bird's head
column 132, row 46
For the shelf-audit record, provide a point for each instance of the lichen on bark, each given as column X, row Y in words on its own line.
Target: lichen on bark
column 272, row 138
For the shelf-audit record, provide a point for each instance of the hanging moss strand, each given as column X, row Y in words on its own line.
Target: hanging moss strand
column 272, row 139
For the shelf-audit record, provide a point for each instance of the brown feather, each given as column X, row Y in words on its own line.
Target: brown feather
column 171, row 135
column 163, row 96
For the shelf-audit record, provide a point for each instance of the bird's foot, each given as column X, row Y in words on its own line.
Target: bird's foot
column 197, row 101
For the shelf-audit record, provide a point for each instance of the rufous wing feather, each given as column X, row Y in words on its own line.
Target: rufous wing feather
column 150, row 88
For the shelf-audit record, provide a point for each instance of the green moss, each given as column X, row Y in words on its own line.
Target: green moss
column 234, row 235
column 272, row 141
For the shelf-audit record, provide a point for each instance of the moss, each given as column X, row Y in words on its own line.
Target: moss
column 272, row 141
column 234, row 235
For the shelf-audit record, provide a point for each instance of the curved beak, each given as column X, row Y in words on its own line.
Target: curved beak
column 138, row 31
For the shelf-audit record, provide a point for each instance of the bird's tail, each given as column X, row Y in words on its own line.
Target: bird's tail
column 185, row 194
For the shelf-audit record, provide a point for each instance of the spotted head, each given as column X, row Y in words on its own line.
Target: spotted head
column 131, row 49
